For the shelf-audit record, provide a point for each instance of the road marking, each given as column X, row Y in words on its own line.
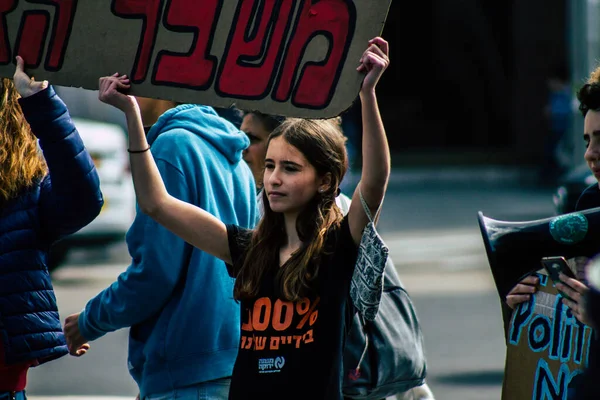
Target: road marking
column 450, row 250
column 29, row 397
column 444, row 283
column 428, row 262
column 88, row 272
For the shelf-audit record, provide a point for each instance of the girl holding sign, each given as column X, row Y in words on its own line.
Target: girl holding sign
column 293, row 271
column 46, row 192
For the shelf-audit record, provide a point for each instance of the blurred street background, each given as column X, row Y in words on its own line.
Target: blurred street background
column 470, row 103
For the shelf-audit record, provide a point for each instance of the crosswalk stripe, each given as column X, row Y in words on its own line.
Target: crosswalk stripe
column 441, row 250
column 428, row 262
column 29, row 397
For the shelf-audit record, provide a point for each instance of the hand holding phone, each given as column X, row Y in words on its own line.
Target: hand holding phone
column 577, row 289
column 554, row 266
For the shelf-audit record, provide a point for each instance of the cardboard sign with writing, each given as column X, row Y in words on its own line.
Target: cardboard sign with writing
column 546, row 348
column 287, row 57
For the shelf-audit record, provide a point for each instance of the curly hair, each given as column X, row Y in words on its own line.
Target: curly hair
column 589, row 94
column 21, row 163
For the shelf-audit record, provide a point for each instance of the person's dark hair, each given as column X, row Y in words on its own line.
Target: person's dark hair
column 231, row 114
column 589, row 94
column 269, row 121
column 323, row 145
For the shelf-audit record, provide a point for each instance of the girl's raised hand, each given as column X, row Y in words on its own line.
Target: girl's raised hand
column 111, row 90
column 25, row 85
column 373, row 62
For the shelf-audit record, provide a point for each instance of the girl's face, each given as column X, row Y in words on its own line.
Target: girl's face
column 591, row 129
column 255, row 154
column 290, row 181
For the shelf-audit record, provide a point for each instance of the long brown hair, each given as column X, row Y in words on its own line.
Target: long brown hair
column 322, row 143
column 21, row 164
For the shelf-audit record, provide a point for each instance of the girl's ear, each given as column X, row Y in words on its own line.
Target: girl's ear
column 325, row 182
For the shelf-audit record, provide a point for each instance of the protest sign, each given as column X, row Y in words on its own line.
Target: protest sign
column 547, row 347
column 286, row 57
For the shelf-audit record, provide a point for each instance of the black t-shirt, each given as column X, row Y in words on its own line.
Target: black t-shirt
column 294, row 350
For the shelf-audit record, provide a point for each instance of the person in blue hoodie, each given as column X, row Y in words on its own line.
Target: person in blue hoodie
column 177, row 299
column 49, row 188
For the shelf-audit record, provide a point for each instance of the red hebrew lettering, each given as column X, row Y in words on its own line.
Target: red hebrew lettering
column 260, row 343
column 248, row 343
column 6, row 6
column 61, row 31
column 31, row 37
column 261, row 316
column 247, row 325
column 149, row 11
column 274, row 343
column 313, row 85
column 196, row 68
column 308, row 337
column 254, row 48
column 307, row 312
column 298, row 339
column 287, row 309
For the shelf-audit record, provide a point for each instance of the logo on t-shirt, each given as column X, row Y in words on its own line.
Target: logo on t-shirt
column 270, row 365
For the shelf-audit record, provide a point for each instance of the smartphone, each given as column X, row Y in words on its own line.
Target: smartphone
column 556, row 265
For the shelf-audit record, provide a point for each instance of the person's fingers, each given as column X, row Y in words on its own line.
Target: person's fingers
column 571, row 304
column 515, row 299
column 382, row 44
column 527, row 285
column 521, row 288
column 573, row 294
column 112, row 85
column 531, row 280
column 377, row 50
column 20, row 64
column 573, row 283
column 373, row 61
column 81, row 350
column 75, row 344
column 122, row 86
column 577, row 309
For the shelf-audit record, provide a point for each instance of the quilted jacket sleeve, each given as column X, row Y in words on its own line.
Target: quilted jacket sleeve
column 70, row 197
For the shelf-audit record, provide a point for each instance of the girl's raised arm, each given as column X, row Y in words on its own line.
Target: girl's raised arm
column 194, row 225
column 375, row 149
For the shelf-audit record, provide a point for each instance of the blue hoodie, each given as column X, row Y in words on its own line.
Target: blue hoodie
column 177, row 299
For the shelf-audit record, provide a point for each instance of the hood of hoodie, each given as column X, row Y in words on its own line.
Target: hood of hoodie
column 206, row 123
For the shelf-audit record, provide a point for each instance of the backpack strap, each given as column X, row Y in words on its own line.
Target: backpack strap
column 366, row 207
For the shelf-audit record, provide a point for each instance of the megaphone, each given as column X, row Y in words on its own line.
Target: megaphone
column 514, row 249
